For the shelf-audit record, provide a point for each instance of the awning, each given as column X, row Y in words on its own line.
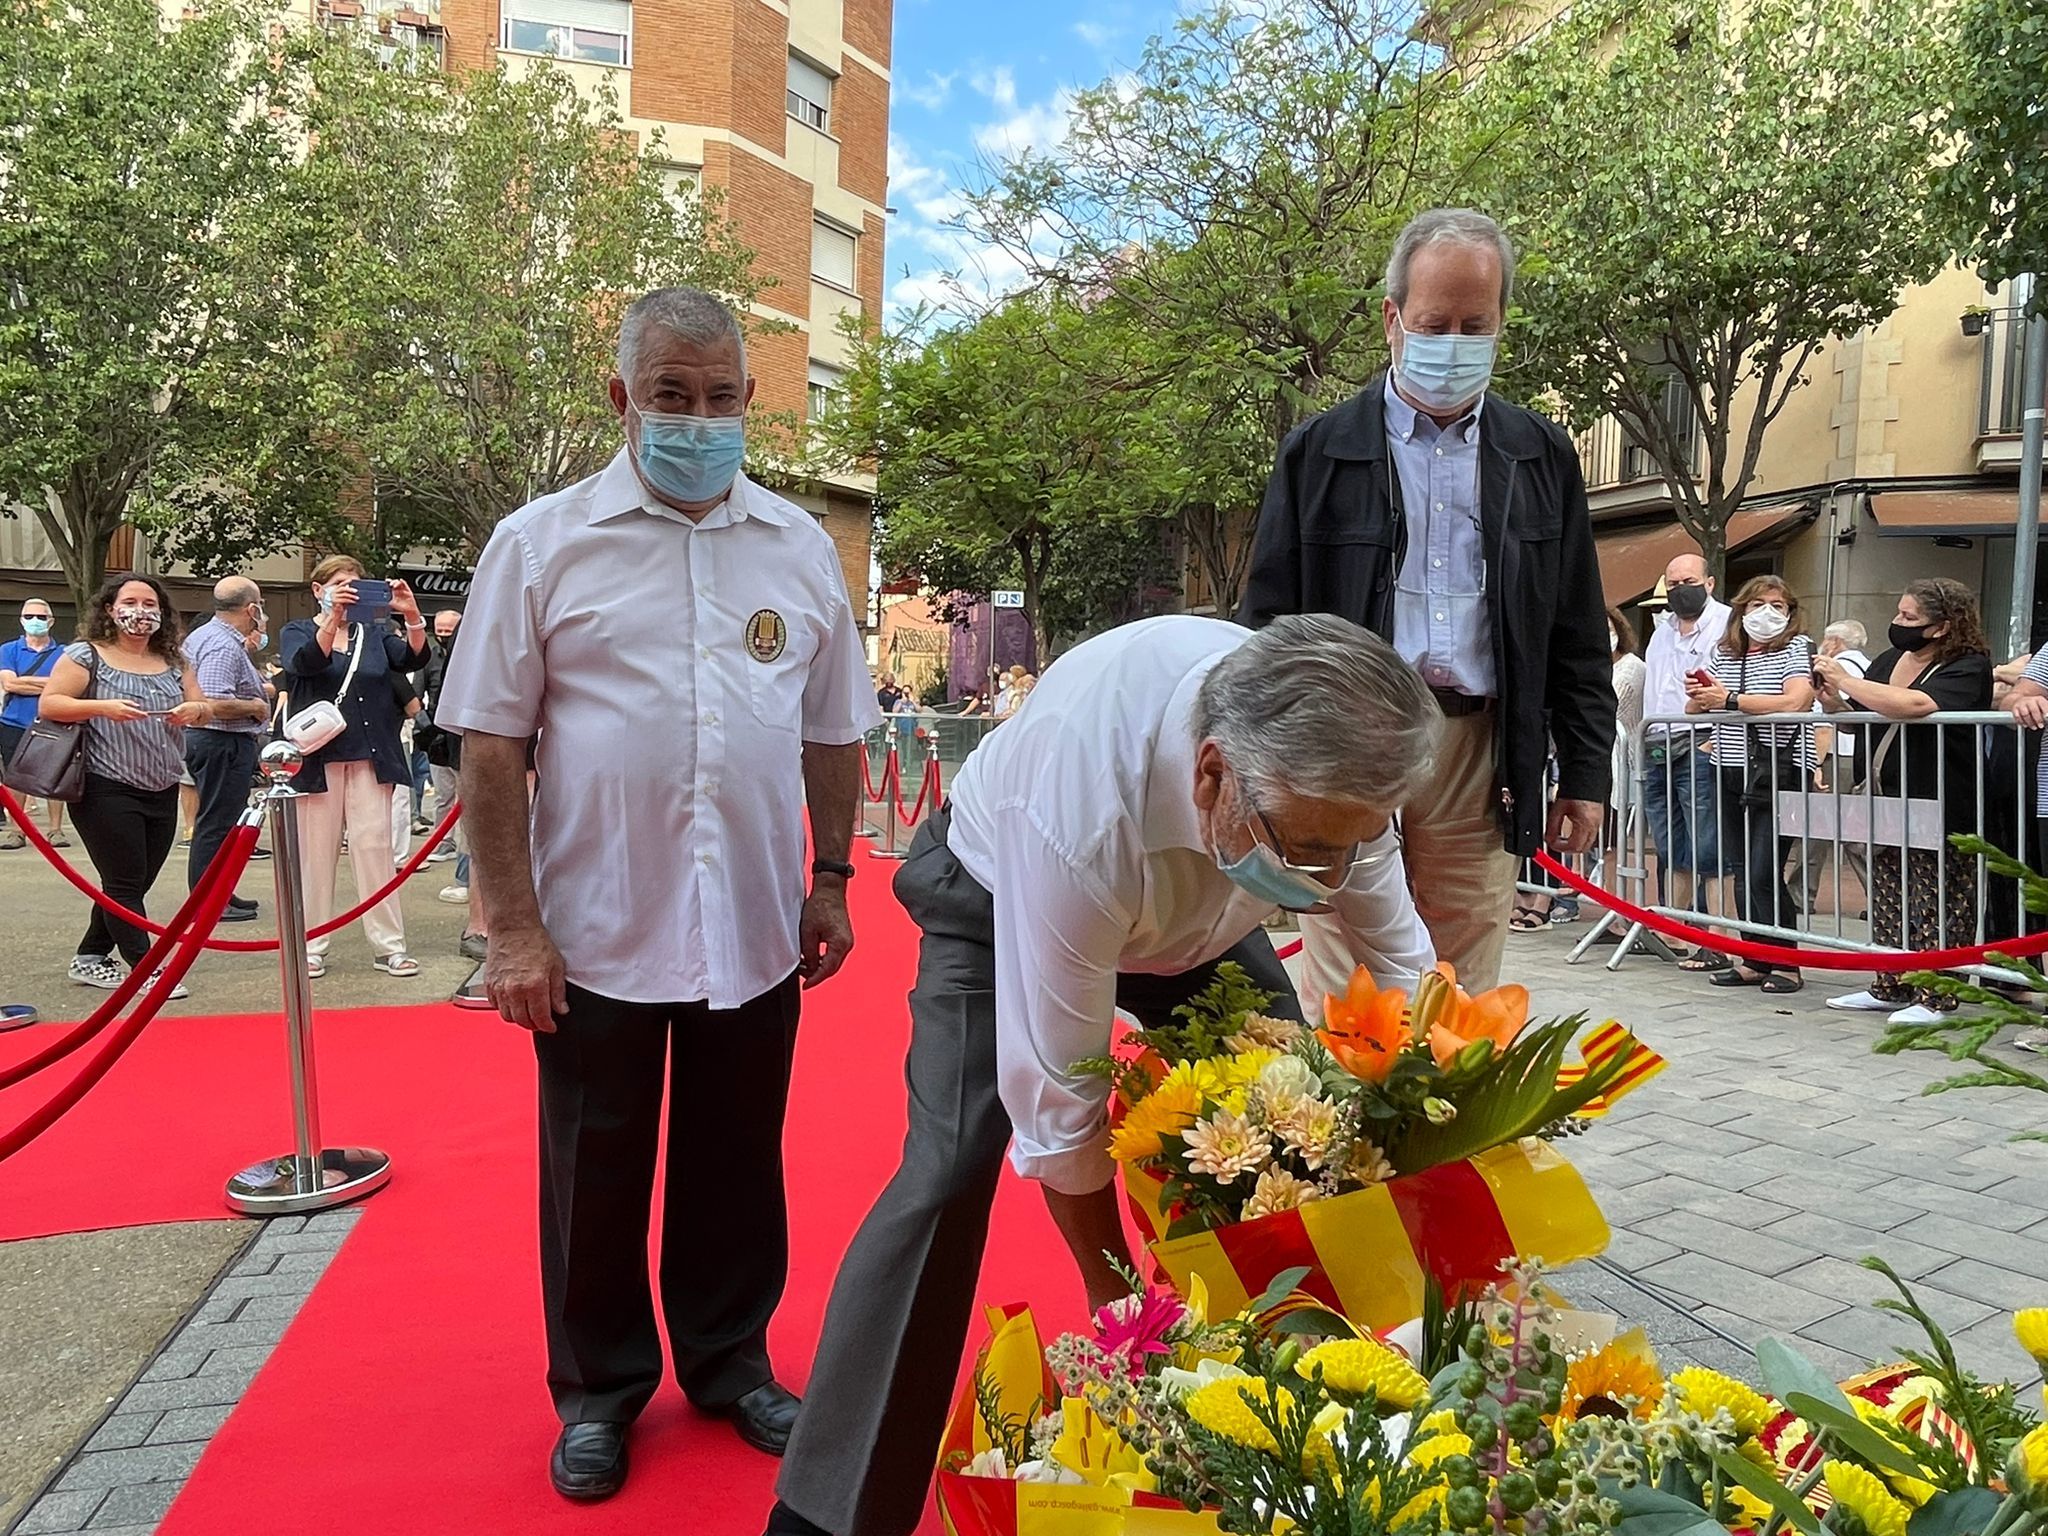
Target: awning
column 1952, row 512
column 1632, row 560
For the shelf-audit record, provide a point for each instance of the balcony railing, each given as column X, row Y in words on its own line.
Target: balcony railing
column 1610, row 455
column 1999, row 402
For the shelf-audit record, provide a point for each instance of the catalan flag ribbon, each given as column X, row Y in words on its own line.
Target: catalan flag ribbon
column 1370, row 1253
column 1013, row 1363
column 1599, row 1048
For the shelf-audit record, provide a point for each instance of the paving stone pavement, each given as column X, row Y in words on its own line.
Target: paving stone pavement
column 125, row 1476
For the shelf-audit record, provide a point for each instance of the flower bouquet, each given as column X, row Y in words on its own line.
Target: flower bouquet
column 1280, row 1420
column 1406, row 1142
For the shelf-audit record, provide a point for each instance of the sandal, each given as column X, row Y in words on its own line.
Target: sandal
column 1528, row 920
column 316, row 967
column 1781, row 983
column 1735, row 976
column 1705, row 960
column 400, row 964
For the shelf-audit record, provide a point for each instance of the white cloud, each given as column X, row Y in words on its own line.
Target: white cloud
column 1096, row 35
column 936, row 91
column 1039, row 125
column 998, row 85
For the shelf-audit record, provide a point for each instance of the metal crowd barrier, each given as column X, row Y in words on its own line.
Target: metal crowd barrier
column 1838, row 850
column 901, row 752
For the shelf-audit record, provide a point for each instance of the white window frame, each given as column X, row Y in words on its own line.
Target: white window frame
column 802, row 104
column 822, row 225
column 824, row 389
column 565, row 20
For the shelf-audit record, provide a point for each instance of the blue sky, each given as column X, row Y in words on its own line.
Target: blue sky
column 975, row 78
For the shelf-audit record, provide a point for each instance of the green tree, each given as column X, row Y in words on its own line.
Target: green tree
column 1236, row 195
column 1995, row 187
column 1706, row 194
column 995, row 465
column 478, row 238
column 152, row 336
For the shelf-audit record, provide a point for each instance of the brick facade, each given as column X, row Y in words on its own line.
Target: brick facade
column 760, row 75
column 772, row 211
column 682, row 60
column 860, row 120
column 851, row 522
column 872, row 252
column 866, row 26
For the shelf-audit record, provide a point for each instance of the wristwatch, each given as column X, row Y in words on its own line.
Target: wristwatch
column 827, row 867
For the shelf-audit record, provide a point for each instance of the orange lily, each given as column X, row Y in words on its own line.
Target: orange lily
column 1452, row 1019
column 1366, row 1028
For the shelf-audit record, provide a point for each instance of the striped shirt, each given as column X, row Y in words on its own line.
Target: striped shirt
column 2037, row 672
column 143, row 754
column 1762, row 672
column 219, row 654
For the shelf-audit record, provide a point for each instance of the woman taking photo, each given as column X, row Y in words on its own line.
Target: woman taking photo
column 1926, row 899
column 345, row 787
column 1763, row 666
column 127, row 680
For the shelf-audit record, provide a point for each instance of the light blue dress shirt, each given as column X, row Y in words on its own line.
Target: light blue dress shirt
column 1442, row 625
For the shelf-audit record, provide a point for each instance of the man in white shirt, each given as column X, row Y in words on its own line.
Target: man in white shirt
column 1678, row 771
column 682, row 643
column 1173, row 782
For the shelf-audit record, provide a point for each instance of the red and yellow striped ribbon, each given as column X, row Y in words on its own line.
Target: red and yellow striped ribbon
column 1602, row 1046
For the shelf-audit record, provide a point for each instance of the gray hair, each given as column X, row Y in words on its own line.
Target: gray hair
column 1849, row 632
column 1449, row 226
column 1316, row 705
column 232, row 593
column 689, row 313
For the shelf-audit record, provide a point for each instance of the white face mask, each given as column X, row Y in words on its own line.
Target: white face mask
column 1765, row 624
column 1444, row 373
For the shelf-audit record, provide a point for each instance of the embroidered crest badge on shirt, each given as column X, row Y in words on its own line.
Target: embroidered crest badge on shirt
column 766, row 635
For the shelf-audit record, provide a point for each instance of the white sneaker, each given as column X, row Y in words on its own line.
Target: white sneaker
column 96, row 971
column 1917, row 1013
column 444, row 854
column 1860, row 1002
column 454, row 895
column 177, row 992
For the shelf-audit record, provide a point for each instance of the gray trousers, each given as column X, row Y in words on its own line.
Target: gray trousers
column 861, row 1460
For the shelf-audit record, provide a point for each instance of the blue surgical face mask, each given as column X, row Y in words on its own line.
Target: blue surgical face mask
column 1444, row 373
column 1263, row 874
column 690, row 458
column 36, row 627
column 326, row 601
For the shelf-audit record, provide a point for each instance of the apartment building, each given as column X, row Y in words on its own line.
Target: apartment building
column 783, row 104
column 1899, row 458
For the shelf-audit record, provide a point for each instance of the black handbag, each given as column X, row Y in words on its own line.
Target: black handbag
column 50, row 761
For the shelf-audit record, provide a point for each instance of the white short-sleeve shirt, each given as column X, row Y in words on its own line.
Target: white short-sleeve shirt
column 1078, row 816
column 674, row 671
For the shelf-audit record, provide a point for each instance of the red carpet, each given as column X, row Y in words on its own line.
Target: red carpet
column 408, row 1397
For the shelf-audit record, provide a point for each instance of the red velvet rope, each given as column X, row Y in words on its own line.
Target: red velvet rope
column 211, row 898
column 131, row 984
column 926, row 788
column 1889, row 960
column 107, row 903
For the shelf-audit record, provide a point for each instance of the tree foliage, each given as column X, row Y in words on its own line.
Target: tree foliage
column 1708, row 193
column 1995, row 188
column 996, row 467
column 478, row 239
column 153, row 336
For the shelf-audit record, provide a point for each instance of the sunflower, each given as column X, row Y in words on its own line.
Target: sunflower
column 1701, row 1391
column 1353, row 1367
column 1613, row 1383
column 1859, row 1493
column 1166, row 1111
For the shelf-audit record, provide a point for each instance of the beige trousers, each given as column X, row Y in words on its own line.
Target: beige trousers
column 1463, row 879
column 353, row 801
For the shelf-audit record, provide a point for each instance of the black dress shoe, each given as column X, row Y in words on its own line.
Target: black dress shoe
column 589, row 1461
column 764, row 1417
column 784, row 1521
column 241, row 914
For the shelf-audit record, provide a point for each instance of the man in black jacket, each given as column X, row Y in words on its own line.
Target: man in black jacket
column 1455, row 525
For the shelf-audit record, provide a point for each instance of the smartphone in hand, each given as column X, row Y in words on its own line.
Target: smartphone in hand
column 373, row 602
column 1701, row 676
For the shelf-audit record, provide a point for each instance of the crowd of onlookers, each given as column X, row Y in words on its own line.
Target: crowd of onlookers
column 173, row 723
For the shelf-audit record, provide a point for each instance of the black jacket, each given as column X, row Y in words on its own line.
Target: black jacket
column 443, row 748
column 370, row 708
column 1331, row 537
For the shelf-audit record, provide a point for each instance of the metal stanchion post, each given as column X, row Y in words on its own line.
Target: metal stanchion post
column 862, row 829
column 312, row 1176
column 892, row 775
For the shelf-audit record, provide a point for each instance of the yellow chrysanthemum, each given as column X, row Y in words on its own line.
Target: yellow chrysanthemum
column 1915, row 1491
column 1225, row 1408
column 1352, row 1367
column 1243, row 1069
column 2031, row 1326
column 1610, row 1375
column 1168, row 1110
column 2027, row 1468
column 1859, row 1492
column 1701, row 1391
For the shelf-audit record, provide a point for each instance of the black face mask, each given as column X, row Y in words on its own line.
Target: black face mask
column 1909, row 637
column 1688, row 602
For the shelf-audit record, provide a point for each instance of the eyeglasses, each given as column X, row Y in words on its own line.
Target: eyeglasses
column 1336, row 875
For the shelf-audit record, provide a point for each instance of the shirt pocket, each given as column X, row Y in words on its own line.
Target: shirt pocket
column 777, row 657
